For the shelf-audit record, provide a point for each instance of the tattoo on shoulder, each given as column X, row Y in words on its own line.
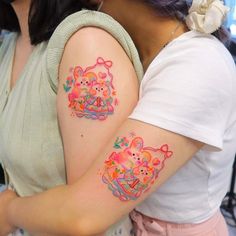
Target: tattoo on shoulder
column 91, row 93
column 133, row 168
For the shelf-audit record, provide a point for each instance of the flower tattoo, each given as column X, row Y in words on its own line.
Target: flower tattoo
column 132, row 170
column 91, row 93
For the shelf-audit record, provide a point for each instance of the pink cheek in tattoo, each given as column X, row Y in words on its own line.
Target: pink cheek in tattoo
column 130, row 153
column 138, row 162
column 146, row 179
column 105, row 94
column 71, row 97
column 93, row 92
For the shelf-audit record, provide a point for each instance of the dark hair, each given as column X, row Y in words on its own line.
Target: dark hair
column 178, row 9
column 8, row 18
column 172, row 8
column 44, row 16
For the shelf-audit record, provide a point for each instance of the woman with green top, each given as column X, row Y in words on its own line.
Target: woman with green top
column 94, row 58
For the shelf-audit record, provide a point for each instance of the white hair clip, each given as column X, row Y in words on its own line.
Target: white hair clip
column 206, row 16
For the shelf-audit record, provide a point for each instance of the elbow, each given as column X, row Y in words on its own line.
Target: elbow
column 89, row 228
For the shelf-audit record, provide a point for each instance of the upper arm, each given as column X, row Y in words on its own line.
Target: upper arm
column 98, row 89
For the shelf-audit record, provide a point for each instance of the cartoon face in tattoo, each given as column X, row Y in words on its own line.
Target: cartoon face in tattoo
column 100, row 90
column 131, row 171
column 143, row 173
column 84, row 83
column 91, row 93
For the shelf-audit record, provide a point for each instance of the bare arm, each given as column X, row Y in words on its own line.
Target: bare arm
column 98, row 90
column 77, row 209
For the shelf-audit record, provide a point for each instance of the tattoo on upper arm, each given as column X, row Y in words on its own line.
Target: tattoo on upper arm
column 91, row 93
column 132, row 169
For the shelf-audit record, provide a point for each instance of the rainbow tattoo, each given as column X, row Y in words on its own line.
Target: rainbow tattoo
column 91, row 93
column 132, row 170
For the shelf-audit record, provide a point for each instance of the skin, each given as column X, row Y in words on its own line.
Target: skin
column 76, row 209
column 21, row 8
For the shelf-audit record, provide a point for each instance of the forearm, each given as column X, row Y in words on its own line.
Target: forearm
column 65, row 210
column 108, row 190
column 37, row 214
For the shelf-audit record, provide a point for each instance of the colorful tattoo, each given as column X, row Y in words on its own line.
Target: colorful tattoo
column 131, row 171
column 91, row 93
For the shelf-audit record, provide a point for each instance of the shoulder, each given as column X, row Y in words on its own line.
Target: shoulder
column 83, row 19
column 94, row 47
column 88, row 33
column 93, row 40
column 86, row 25
column 93, row 29
column 196, row 56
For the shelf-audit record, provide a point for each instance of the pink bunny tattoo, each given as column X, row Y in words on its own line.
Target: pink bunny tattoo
column 91, row 93
column 131, row 171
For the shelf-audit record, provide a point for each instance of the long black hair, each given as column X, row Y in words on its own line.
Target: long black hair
column 44, row 16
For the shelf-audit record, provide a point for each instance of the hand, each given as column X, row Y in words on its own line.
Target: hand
column 5, row 199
